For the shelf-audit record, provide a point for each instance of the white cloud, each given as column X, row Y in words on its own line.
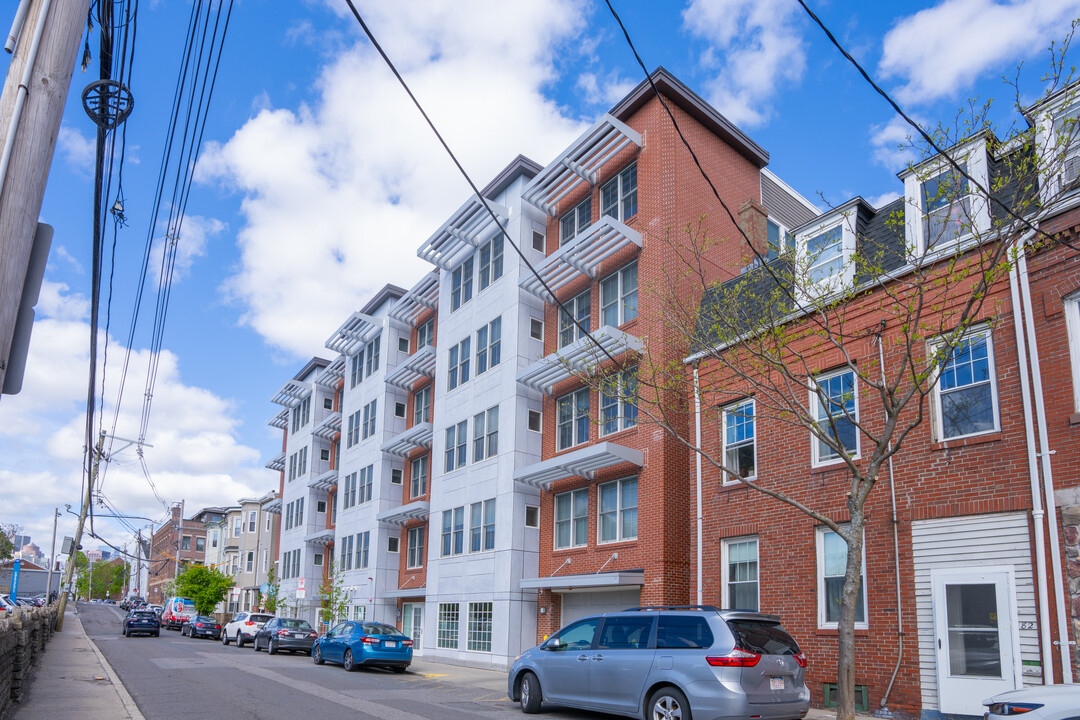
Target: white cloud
column 338, row 195
column 55, row 302
column 603, row 91
column 754, row 46
column 892, row 144
column 194, row 234
column 77, row 149
column 943, row 50
column 880, row 201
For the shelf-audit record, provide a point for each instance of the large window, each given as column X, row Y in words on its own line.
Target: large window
column 448, row 626
column 619, row 296
column 740, row 446
column 422, row 405
column 461, row 284
column 966, row 393
column 364, row 487
column 363, row 548
column 571, row 519
column 348, row 493
column 618, row 510
column 414, row 557
column 356, row 369
column 479, row 637
column 352, row 435
column 832, row 566
column 486, row 434
column 457, row 446
column 251, row 521
column 825, row 254
column 576, row 308
column 837, row 412
column 946, row 208
column 371, row 351
column 348, row 543
column 618, row 402
column 575, row 221
column 458, row 372
column 425, row 334
column 482, row 526
column 489, row 346
column 418, row 477
column 1072, row 324
column 491, row 261
column 368, row 424
column 453, row 531
column 573, row 423
column 618, row 196
column 740, row 568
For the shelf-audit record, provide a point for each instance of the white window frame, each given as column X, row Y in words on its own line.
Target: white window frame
column 725, row 569
column 534, row 332
column 815, row 405
column 363, row 550
column 835, row 281
column 455, row 532
column 457, row 446
column 819, row 543
column 727, row 411
column 371, row 365
column 414, row 555
column 425, row 333
column 575, row 419
column 618, row 278
column 580, row 216
column 620, row 180
column 481, row 621
column 575, row 542
column 974, row 159
column 485, row 438
column 458, row 373
column 424, row 462
column 488, row 346
column 490, row 262
column 539, row 415
column 938, row 417
column 403, row 344
column 422, row 405
column 480, row 528
column 569, row 331
column 448, row 637
column 461, row 284
column 620, row 510
column 1072, row 327
column 365, row 485
column 626, row 410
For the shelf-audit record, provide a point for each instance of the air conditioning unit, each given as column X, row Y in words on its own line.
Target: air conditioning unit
column 1070, row 173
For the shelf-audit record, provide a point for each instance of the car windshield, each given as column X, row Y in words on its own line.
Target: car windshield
column 764, row 638
column 144, row 616
column 259, row 618
column 295, row 624
column 202, row 619
column 378, row 629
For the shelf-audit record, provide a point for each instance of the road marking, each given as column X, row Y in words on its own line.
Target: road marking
column 435, row 674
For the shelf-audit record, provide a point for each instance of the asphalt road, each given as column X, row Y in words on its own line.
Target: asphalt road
column 175, row 678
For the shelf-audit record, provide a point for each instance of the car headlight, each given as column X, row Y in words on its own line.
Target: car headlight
column 1007, row 709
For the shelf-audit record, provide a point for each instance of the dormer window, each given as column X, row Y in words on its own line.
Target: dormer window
column 575, row 221
column 780, row 240
column 946, row 205
column 618, row 196
column 1067, row 147
column 825, row 251
column 942, row 208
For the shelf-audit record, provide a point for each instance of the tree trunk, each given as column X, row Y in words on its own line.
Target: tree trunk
column 845, row 669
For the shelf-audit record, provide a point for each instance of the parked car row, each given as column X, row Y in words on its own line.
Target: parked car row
column 8, row 603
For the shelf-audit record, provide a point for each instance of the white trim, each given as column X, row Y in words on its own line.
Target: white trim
column 974, row 156
column 620, row 535
column 725, row 578
column 819, row 536
column 555, row 520
column 815, row 406
column 724, row 411
column 1072, row 325
column 845, row 219
column 938, row 422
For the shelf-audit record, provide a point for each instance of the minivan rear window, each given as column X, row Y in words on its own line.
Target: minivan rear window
column 764, row 638
column 683, row 631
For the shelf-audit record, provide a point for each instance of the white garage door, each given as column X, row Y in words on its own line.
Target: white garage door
column 576, row 605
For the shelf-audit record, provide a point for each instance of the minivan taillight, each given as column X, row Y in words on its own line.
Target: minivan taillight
column 735, row 658
column 800, row 657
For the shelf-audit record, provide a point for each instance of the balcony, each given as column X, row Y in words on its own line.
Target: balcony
column 353, row 333
column 400, row 515
column 471, row 226
column 321, row 538
column 418, row 436
column 424, row 295
column 325, row 482
column 580, row 163
column 277, row 464
column 272, row 506
column 332, row 374
column 280, row 421
column 328, row 427
column 583, row 463
column 291, row 393
column 419, row 365
column 578, row 358
column 582, row 256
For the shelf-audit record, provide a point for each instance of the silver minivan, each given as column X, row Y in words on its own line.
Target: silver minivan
column 665, row 663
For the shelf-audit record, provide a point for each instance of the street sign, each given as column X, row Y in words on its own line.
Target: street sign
column 300, row 592
column 15, row 579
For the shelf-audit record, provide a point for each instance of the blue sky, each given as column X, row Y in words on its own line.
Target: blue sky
column 318, row 181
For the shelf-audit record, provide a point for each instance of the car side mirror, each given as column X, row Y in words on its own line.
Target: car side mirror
column 554, row 644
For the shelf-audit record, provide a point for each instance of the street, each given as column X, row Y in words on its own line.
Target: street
column 174, row 677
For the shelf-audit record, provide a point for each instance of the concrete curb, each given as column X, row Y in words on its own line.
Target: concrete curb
column 125, row 697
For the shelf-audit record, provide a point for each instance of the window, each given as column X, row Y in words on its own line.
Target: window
column 683, row 631
column 535, row 421
column 365, row 485
column 403, row 345
column 571, row 519
column 488, row 346
column 300, row 511
column 538, row 241
column 825, row 253
column 368, row 423
column 200, row 544
column 966, row 394
column 356, row 369
column 348, row 495
column 269, row 520
column 448, row 626
column 301, row 462
column 328, row 403
column 479, row 637
column 573, row 423
column 740, row 568
column 453, row 531
column 399, row 409
column 185, row 542
column 486, row 434
column 289, row 509
column 780, row 240
column 578, row 636
column 536, row 329
column 618, row 296
column 740, row 447
column 214, row 538
column 418, row 477
column 618, row 196
column 249, row 563
column 459, row 364
column 532, row 516
column 251, row 521
column 237, row 527
column 359, row 613
column 1072, row 325
column 576, row 308
column 946, row 208
column 352, row 435
column 395, row 476
column 292, row 467
column 425, row 334
column 301, row 414
column 575, row 221
column 461, row 284
column 372, row 352
column 491, row 261
column 324, row 454
column 618, row 402
column 837, row 413
column 422, row 405
column 348, row 543
column 832, row 565
column 482, row 526
column 393, row 544
column 316, row 560
column 618, row 510
column 266, row 560
column 414, row 557
column 457, row 445
column 626, row 633
column 363, row 541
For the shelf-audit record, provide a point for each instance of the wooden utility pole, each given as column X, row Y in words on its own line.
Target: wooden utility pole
column 35, row 90
column 87, row 499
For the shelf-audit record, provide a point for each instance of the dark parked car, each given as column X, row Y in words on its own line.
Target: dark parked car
column 201, row 626
column 140, row 621
column 364, row 643
column 290, row 634
column 671, row 662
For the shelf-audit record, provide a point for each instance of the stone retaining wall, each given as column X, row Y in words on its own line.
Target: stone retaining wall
column 24, row 635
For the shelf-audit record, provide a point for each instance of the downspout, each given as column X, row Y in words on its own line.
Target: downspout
column 1037, row 513
column 1047, row 471
column 896, row 552
column 697, row 458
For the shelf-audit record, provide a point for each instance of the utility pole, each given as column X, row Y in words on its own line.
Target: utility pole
column 98, row 452
column 31, row 108
column 179, row 540
column 52, row 559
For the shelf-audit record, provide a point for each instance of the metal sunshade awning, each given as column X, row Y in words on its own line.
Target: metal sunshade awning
column 582, row 256
column 578, row 358
column 353, row 333
column 578, row 463
column 325, row 482
column 419, row 365
column 469, row 227
column 424, row 295
column 400, row 515
column 328, row 427
column 418, row 436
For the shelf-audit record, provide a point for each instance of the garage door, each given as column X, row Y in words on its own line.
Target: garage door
column 576, row 605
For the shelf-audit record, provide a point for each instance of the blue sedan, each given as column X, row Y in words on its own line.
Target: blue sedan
column 353, row 644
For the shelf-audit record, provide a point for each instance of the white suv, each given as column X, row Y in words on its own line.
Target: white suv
column 242, row 628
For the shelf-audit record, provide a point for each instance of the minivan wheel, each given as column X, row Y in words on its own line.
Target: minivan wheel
column 531, row 697
column 668, row 703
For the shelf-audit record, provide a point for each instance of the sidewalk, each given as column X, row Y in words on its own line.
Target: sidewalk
column 73, row 679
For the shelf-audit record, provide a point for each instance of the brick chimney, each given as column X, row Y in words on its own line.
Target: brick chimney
column 753, row 219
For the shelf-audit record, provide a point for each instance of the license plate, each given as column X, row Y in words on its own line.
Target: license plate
column 298, row 635
column 776, row 683
column 390, row 644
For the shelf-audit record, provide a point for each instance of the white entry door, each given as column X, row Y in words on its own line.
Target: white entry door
column 976, row 637
column 412, row 624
